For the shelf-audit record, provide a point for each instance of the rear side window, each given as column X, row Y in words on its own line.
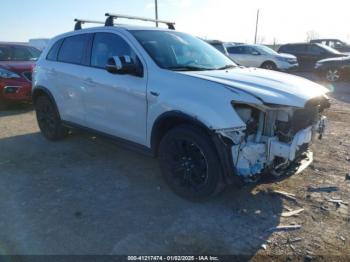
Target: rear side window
column 293, row 48
column 5, row 53
column 235, row 50
column 74, row 49
column 107, row 45
column 53, row 53
column 314, row 50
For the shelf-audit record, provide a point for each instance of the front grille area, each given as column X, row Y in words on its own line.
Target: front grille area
column 28, row 75
column 302, row 118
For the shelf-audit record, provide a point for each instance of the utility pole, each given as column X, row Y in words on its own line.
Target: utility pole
column 256, row 27
column 156, row 9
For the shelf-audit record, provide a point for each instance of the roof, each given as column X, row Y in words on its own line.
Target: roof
column 14, row 43
column 325, row 39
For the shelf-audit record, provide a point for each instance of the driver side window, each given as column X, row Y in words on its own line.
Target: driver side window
column 107, row 45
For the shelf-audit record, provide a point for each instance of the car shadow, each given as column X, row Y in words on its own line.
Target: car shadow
column 84, row 195
column 16, row 109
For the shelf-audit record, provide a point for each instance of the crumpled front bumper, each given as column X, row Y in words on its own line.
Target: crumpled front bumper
column 256, row 158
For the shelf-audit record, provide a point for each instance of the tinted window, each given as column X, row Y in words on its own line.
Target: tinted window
column 315, row 50
column 74, row 49
column 234, row 50
column 239, row 50
column 107, row 45
column 293, row 48
column 5, row 53
column 52, row 55
column 18, row 53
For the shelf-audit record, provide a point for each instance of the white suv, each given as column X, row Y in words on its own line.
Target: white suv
column 262, row 56
column 210, row 122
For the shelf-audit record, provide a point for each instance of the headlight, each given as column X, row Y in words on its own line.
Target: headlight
column 8, row 74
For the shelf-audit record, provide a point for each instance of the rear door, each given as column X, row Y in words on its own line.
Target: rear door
column 314, row 54
column 242, row 55
column 68, row 73
column 300, row 51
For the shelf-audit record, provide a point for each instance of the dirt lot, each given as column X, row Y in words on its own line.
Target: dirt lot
column 85, row 195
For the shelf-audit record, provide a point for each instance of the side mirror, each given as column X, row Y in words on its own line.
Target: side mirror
column 123, row 65
column 255, row 53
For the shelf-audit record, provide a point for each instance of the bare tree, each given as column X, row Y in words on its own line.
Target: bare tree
column 311, row 34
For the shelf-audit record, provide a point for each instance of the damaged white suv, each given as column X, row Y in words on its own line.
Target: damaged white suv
column 210, row 122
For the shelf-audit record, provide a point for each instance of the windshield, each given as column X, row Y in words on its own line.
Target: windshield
column 266, row 50
column 182, row 52
column 329, row 49
column 19, row 53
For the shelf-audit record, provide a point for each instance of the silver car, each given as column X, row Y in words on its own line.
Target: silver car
column 262, row 56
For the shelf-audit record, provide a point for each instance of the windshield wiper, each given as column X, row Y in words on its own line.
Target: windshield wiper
column 188, row 68
column 226, row 67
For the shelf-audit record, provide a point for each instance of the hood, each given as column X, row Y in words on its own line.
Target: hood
column 17, row 66
column 269, row 86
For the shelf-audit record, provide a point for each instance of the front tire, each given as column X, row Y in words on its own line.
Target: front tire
column 190, row 164
column 48, row 119
column 269, row 65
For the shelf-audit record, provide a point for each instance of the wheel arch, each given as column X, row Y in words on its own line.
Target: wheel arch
column 267, row 62
column 169, row 120
column 41, row 90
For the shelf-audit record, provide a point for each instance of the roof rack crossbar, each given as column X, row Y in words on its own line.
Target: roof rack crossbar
column 80, row 22
column 111, row 17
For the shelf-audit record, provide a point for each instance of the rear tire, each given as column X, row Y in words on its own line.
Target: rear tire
column 48, row 119
column 333, row 75
column 190, row 164
column 269, row 65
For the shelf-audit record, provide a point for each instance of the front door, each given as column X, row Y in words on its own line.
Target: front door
column 115, row 104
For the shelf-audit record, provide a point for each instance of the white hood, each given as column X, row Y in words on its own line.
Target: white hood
column 269, row 86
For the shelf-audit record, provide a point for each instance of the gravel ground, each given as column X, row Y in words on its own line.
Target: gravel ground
column 84, row 195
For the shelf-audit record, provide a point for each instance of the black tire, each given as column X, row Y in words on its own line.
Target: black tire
column 269, row 65
column 190, row 164
column 48, row 119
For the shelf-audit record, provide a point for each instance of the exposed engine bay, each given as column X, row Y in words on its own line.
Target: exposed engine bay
column 274, row 136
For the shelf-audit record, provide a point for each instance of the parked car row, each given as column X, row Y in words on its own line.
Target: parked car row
column 16, row 64
column 317, row 56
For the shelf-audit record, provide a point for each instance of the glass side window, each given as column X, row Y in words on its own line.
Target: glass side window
column 74, row 49
column 315, row 50
column 53, row 53
column 5, row 53
column 107, row 45
column 19, row 53
column 234, row 50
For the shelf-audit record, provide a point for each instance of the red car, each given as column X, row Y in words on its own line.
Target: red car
column 16, row 65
